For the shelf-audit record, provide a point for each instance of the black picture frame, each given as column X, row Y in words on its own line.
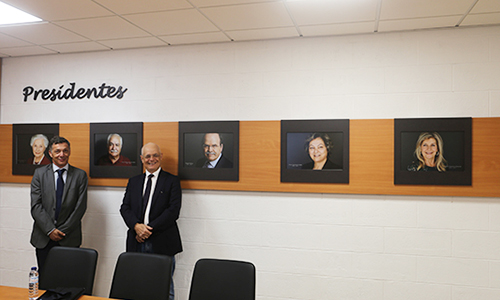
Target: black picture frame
column 191, row 154
column 294, row 155
column 132, row 136
column 456, row 134
column 22, row 152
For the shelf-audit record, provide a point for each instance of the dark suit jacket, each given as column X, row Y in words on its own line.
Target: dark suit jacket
column 222, row 163
column 43, row 206
column 165, row 208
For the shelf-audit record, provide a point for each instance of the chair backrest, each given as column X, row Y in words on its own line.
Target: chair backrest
column 141, row 276
column 69, row 267
column 217, row 279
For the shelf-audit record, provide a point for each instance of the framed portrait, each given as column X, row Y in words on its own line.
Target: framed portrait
column 29, row 146
column 209, row 150
column 315, row 151
column 115, row 150
column 433, row 151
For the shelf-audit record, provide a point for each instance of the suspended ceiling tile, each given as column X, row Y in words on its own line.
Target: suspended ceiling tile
column 207, row 3
column 196, row 38
column 52, row 10
column 8, row 41
column 486, row 6
column 77, row 47
column 337, row 29
column 414, row 24
column 332, row 12
column 144, row 42
column 42, row 33
column 249, row 16
column 187, row 21
column 481, row 19
column 103, row 28
column 27, row 51
column 398, row 9
column 263, row 34
column 173, row 22
column 133, row 7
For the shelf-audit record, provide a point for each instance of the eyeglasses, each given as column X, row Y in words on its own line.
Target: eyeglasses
column 211, row 146
column 156, row 155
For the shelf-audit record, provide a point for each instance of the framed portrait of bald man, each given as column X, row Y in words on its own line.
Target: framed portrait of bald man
column 209, row 150
column 115, row 149
column 29, row 146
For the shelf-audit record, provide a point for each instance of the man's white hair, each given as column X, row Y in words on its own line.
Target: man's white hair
column 119, row 136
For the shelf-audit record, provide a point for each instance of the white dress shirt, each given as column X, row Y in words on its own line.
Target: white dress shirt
column 153, row 186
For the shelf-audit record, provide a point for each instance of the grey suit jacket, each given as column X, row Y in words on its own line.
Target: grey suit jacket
column 43, row 206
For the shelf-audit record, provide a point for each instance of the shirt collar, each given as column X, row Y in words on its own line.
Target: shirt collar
column 43, row 156
column 155, row 173
column 214, row 162
column 55, row 168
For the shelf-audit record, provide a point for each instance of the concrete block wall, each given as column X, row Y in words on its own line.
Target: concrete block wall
column 305, row 246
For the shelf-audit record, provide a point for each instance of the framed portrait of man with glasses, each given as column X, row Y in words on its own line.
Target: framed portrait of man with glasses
column 209, row 150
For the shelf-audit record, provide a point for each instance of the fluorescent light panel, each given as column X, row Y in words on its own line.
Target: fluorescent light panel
column 10, row 15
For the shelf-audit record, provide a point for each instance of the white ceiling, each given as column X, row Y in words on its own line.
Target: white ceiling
column 103, row 25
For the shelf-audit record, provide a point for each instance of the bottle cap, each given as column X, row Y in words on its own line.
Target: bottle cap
column 33, row 268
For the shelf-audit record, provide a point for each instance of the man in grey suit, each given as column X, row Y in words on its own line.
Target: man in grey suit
column 58, row 202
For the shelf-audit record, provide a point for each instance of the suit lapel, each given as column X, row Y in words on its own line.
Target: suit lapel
column 141, row 190
column 67, row 184
column 143, row 178
column 50, row 185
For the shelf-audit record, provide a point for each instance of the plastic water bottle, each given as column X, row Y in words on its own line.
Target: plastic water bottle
column 33, row 284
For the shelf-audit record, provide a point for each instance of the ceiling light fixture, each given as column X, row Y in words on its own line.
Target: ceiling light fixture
column 10, row 16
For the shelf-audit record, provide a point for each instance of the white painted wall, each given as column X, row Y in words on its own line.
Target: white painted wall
column 305, row 246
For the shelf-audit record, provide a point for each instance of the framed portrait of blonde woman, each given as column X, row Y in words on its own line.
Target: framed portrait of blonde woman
column 433, row 151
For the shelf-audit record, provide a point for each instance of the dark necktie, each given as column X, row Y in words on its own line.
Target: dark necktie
column 59, row 191
column 145, row 197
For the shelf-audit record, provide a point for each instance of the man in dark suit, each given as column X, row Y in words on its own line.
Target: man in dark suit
column 151, row 207
column 212, row 149
column 58, row 202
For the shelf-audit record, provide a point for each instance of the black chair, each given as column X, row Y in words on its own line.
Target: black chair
column 217, row 279
column 69, row 267
column 141, row 276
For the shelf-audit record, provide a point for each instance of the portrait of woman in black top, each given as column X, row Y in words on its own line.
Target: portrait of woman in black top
column 319, row 146
column 429, row 150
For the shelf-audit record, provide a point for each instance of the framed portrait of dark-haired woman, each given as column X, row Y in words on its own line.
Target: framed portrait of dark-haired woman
column 209, row 150
column 315, row 151
column 433, row 151
column 30, row 146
